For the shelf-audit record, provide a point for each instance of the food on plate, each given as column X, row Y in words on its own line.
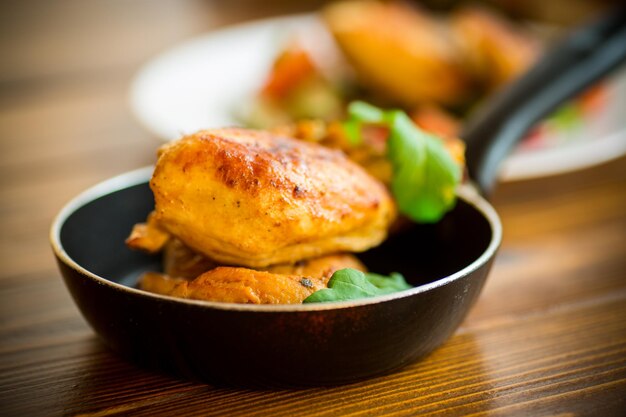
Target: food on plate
column 295, row 88
column 251, row 216
column 493, row 49
column 393, row 54
column 399, row 52
column 251, row 198
column 437, row 66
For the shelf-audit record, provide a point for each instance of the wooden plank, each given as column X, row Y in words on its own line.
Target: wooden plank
column 572, row 358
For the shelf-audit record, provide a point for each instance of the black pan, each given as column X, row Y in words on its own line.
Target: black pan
column 314, row 344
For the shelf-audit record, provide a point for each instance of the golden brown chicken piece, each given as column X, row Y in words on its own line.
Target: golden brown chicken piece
column 158, row 283
column 242, row 285
column 399, row 52
column 322, row 267
column 181, row 262
column 250, row 198
column 495, row 51
column 148, row 236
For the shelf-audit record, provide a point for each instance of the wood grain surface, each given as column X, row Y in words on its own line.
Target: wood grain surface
column 547, row 336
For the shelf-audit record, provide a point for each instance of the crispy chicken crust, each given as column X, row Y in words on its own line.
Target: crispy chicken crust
column 181, row 262
column 229, row 284
column 251, row 198
column 148, row 236
column 322, row 267
column 279, row 284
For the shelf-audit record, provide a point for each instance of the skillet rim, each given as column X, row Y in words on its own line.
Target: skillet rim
column 132, row 178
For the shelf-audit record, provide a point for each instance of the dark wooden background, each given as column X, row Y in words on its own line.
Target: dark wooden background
column 547, row 336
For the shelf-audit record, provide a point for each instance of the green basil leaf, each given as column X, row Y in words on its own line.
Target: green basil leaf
column 350, row 284
column 392, row 283
column 425, row 175
column 365, row 112
column 352, row 128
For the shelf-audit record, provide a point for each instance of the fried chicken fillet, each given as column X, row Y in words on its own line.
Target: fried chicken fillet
column 229, row 284
column 278, row 284
column 250, row 198
column 181, row 262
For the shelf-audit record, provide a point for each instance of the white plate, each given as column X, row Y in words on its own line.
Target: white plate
column 203, row 82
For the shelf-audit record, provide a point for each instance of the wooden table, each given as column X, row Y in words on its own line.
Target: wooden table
column 547, row 336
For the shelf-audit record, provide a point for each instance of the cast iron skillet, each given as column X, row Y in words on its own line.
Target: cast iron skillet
column 317, row 344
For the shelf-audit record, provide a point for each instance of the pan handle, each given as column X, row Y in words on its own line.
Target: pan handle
column 568, row 68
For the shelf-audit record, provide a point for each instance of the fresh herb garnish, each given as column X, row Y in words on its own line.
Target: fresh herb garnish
column 392, row 283
column 425, row 175
column 350, row 284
